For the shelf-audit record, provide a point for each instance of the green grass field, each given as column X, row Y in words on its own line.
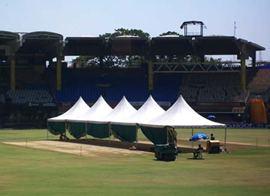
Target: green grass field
column 248, row 136
column 25, row 171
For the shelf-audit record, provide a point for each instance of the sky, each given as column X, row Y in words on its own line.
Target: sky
column 92, row 18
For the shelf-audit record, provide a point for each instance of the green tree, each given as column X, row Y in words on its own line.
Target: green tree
column 170, row 33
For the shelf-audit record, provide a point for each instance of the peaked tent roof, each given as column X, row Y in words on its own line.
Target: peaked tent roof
column 148, row 111
column 180, row 114
column 96, row 113
column 74, row 112
column 123, row 110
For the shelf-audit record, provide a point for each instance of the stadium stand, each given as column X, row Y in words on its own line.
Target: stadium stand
column 2, row 99
column 34, row 85
column 166, row 87
column 261, row 81
column 27, row 96
column 111, row 83
column 212, row 88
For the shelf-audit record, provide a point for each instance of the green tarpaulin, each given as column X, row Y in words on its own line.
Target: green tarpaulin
column 125, row 133
column 98, row 130
column 77, row 129
column 155, row 134
column 56, row 128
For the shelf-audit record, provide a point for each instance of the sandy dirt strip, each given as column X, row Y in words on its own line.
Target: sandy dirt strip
column 73, row 148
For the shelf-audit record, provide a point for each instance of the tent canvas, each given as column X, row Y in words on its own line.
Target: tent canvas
column 74, row 112
column 56, row 125
column 123, row 110
column 82, row 124
column 179, row 115
column 148, row 111
column 125, row 128
column 96, row 113
column 101, row 114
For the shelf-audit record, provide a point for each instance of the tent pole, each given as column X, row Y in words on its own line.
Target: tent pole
column 85, row 128
column 167, row 135
column 225, row 139
column 47, row 131
column 192, row 130
column 110, row 131
column 136, row 142
column 137, row 133
column 65, row 128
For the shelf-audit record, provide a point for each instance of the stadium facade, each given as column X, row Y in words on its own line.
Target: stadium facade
column 34, row 87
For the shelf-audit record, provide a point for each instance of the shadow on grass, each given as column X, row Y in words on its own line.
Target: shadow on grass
column 191, row 158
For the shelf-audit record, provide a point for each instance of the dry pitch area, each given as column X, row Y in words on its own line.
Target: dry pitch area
column 73, row 148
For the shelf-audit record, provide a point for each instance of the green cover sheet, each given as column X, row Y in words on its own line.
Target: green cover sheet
column 125, row 133
column 157, row 135
column 98, row 130
column 77, row 129
column 56, row 128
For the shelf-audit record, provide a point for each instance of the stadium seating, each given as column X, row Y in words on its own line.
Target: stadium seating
column 212, row 88
column 2, row 98
column 27, row 96
column 111, row 84
column 166, row 87
column 115, row 83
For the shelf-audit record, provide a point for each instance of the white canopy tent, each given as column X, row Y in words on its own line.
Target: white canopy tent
column 102, row 128
column 122, row 111
column 101, row 120
column 74, row 112
column 124, row 119
column 149, row 110
column 180, row 114
column 57, row 125
column 95, row 114
column 82, row 124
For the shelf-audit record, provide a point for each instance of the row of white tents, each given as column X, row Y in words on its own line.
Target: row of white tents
column 101, row 120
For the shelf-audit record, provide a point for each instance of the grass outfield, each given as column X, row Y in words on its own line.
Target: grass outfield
column 26, row 171
column 249, row 136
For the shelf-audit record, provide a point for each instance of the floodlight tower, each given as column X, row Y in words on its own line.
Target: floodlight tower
column 192, row 23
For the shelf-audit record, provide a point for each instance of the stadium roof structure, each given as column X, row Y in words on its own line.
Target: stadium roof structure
column 80, row 107
column 163, row 45
column 218, row 45
column 127, row 45
column 92, row 46
column 40, row 43
column 98, row 46
column 8, row 42
column 204, row 45
column 180, row 115
column 6, row 37
column 51, row 44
